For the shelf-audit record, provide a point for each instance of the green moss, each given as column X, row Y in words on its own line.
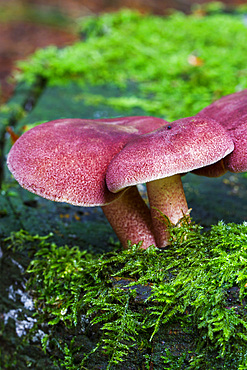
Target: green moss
column 182, row 307
column 153, row 53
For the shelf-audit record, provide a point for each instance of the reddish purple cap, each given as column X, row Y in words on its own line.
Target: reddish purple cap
column 231, row 112
column 176, row 148
column 143, row 124
column 227, row 110
column 66, row 160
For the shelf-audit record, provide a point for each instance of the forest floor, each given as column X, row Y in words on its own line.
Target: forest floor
column 26, row 25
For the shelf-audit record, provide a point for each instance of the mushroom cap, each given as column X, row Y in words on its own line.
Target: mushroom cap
column 66, row 160
column 231, row 112
column 237, row 161
column 143, row 124
column 227, row 110
column 176, row 148
column 213, row 170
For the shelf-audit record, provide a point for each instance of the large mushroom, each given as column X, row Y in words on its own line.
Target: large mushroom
column 66, row 160
column 231, row 112
column 159, row 158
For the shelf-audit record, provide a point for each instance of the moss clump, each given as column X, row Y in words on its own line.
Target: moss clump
column 157, row 54
column 183, row 305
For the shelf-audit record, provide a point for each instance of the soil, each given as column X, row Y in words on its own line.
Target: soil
column 21, row 36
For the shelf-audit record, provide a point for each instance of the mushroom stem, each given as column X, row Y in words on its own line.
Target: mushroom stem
column 130, row 218
column 167, row 196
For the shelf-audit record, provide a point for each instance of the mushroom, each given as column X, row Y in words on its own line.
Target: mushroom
column 231, row 112
column 159, row 158
column 66, row 160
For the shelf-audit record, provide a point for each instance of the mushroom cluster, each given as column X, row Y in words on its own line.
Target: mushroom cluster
column 101, row 162
column 159, row 158
column 66, row 160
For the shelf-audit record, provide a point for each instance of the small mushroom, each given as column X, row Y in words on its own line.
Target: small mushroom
column 231, row 112
column 66, row 160
column 159, row 158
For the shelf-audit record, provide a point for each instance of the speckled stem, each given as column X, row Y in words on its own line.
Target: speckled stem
column 167, row 196
column 130, row 218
